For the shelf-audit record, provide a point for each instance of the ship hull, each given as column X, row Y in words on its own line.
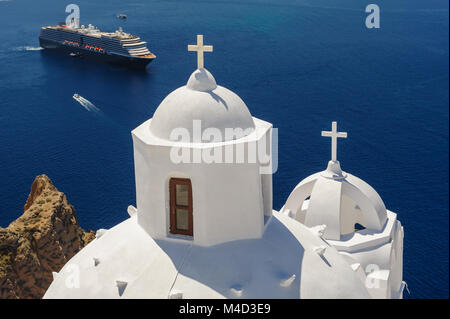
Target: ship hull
column 134, row 62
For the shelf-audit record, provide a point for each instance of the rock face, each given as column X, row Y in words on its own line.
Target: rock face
column 39, row 242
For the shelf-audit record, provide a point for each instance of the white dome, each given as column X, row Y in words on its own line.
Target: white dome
column 202, row 100
column 338, row 200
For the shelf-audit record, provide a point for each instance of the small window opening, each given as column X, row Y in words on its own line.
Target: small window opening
column 181, row 221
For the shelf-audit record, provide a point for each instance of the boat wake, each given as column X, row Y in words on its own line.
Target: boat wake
column 86, row 103
column 27, row 48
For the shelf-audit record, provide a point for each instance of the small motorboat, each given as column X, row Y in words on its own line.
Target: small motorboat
column 122, row 16
column 85, row 103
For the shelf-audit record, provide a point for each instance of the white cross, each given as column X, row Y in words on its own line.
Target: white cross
column 200, row 48
column 334, row 134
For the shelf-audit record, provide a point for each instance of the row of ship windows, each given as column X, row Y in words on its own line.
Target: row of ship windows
column 71, row 36
column 139, row 49
column 85, row 46
column 95, row 47
column 55, row 36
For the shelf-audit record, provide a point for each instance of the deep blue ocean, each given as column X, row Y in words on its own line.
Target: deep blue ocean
column 298, row 64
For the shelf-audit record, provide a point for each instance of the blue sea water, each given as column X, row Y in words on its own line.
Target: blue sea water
column 298, row 64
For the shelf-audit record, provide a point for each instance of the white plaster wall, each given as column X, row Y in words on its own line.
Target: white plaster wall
column 350, row 215
column 327, row 210
column 266, row 185
column 373, row 211
column 373, row 197
column 397, row 262
column 155, row 268
column 228, row 199
column 388, row 258
column 266, row 178
column 296, row 199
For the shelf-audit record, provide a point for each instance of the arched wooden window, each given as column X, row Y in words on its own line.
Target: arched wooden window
column 181, row 221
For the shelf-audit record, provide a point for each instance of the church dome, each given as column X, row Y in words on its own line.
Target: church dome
column 201, row 102
column 338, row 200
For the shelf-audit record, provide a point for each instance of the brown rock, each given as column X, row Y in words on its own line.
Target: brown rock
column 39, row 242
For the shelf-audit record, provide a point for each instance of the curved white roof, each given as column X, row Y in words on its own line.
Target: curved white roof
column 127, row 263
column 202, row 100
column 338, row 200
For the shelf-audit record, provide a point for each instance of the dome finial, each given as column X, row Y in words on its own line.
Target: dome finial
column 200, row 48
column 201, row 80
column 334, row 134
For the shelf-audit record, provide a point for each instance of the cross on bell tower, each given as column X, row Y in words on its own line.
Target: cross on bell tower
column 334, row 134
column 200, row 48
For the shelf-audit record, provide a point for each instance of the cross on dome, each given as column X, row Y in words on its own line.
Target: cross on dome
column 200, row 48
column 334, row 134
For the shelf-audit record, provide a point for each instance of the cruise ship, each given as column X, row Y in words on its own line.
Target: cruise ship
column 114, row 47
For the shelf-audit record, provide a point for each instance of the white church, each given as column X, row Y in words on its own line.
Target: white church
column 205, row 227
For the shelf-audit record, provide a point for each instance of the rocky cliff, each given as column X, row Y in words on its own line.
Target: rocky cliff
column 40, row 241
